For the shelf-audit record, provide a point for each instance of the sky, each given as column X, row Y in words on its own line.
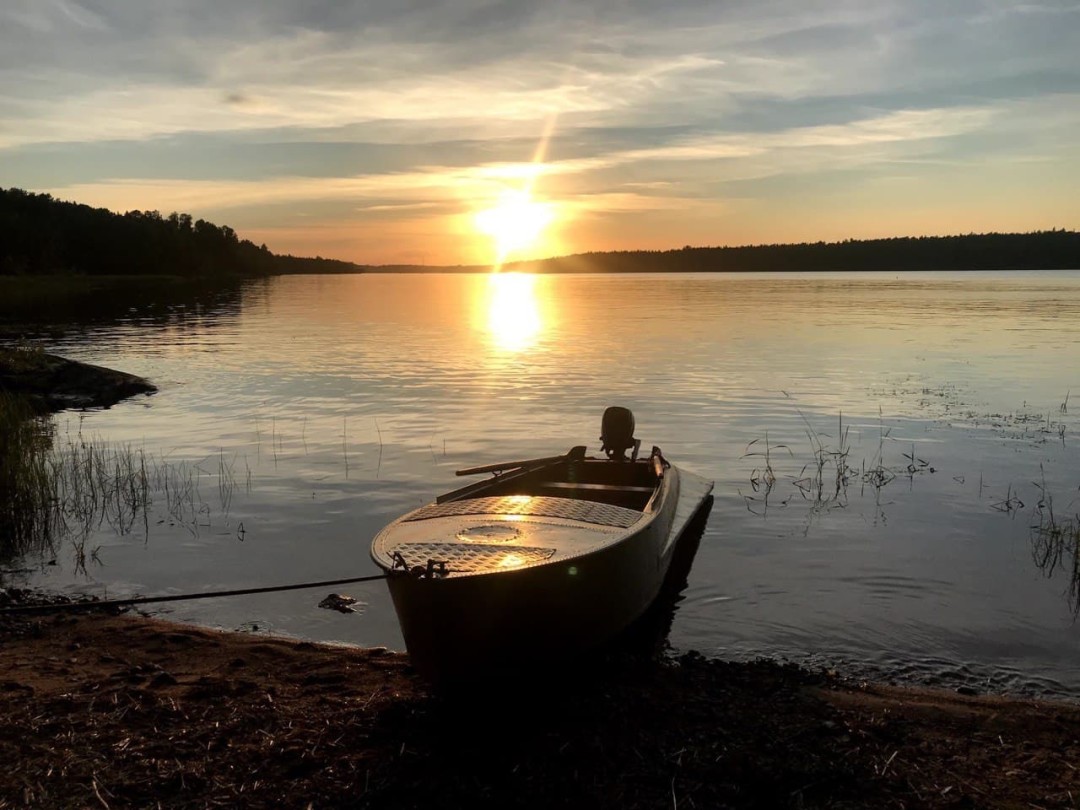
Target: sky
column 477, row 131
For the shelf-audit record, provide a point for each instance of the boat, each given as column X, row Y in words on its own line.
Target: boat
column 540, row 563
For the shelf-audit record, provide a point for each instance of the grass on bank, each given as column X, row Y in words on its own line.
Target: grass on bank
column 20, row 358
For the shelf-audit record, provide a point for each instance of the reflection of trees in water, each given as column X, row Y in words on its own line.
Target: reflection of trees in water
column 147, row 301
column 1055, row 544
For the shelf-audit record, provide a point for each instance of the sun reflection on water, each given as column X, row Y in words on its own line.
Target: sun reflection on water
column 514, row 316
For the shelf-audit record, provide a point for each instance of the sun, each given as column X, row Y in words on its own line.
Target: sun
column 515, row 223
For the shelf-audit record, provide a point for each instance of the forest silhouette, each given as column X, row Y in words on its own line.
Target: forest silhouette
column 1039, row 250
column 43, row 235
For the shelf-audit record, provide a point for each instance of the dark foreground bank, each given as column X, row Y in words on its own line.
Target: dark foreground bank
column 114, row 712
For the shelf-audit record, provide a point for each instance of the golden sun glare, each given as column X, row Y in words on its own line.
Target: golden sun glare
column 515, row 223
column 514, row 318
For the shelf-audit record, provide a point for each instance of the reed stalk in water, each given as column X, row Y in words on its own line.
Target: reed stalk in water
column 1055, row 543
column 71, row 489
column 28, row 515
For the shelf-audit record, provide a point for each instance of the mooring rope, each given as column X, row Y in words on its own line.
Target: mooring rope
column 147, row 600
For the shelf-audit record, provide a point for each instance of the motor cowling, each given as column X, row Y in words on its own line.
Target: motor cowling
column 617, row 432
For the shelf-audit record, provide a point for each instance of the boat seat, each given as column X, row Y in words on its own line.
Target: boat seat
column 600, row 487
column 602, row 514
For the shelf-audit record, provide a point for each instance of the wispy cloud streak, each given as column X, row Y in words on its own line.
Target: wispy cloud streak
column 443, row 105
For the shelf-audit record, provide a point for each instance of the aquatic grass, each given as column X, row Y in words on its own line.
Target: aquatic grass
column 275, row 439
column 378, row 430
column 72, row 488
column 97, row 485
column 345, row 443
column 1010, row 504
column 876, row 474
column 765, row 477
column 812, row 486
column 824, row 479
column 1055, row 543
column 28, row 515
column 226, row 482
column 915, row 464
column 762, row 479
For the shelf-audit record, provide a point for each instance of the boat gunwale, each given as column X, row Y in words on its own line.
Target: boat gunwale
column 618, row 536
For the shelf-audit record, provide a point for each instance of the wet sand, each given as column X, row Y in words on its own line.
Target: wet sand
column 125, row 711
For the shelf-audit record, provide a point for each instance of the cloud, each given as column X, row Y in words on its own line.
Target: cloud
column 153, row 77
column 478, row 66
column 478, row 185
column 371, row 107
column 523, row 95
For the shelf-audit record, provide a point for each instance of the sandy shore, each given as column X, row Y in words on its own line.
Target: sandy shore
column 124, row 711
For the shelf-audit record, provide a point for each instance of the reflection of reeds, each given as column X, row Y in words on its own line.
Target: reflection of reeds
column 345, row 443
column 226, row 482
column 829, row 469
column 28, row 516
column 96, row 484
column 1010, row 504
column 378, row 466
column 52, row 491
column 823, row 481
column 765, row 477
column 1055, row 543
column 762, row 479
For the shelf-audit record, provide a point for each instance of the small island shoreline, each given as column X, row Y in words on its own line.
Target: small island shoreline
column 123, row 711
column 51, row 383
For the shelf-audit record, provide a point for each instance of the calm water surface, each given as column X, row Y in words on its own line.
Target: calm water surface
column 332, row 404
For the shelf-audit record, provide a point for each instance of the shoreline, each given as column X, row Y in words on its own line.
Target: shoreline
column 52, row 383
column 118, row 711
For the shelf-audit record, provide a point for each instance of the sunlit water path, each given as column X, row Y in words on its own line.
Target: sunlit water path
column 310, row 411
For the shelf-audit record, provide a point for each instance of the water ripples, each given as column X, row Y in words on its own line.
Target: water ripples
column 341, row 402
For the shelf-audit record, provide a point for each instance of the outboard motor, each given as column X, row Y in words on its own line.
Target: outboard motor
column 617, row 433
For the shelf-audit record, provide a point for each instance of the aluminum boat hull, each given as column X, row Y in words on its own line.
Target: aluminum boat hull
column 533, row 579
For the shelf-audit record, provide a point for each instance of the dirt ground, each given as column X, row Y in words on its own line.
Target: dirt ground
column 123, row 711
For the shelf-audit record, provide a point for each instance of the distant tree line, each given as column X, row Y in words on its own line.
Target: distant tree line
column 1040, row 250
column 39, row 234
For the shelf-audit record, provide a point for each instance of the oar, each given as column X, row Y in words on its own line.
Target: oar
column 575, row 452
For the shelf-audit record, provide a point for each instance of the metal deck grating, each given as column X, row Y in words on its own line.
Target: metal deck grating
column 534, row 506
column 473, row 558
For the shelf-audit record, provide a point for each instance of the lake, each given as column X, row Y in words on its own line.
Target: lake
column 880, row 444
